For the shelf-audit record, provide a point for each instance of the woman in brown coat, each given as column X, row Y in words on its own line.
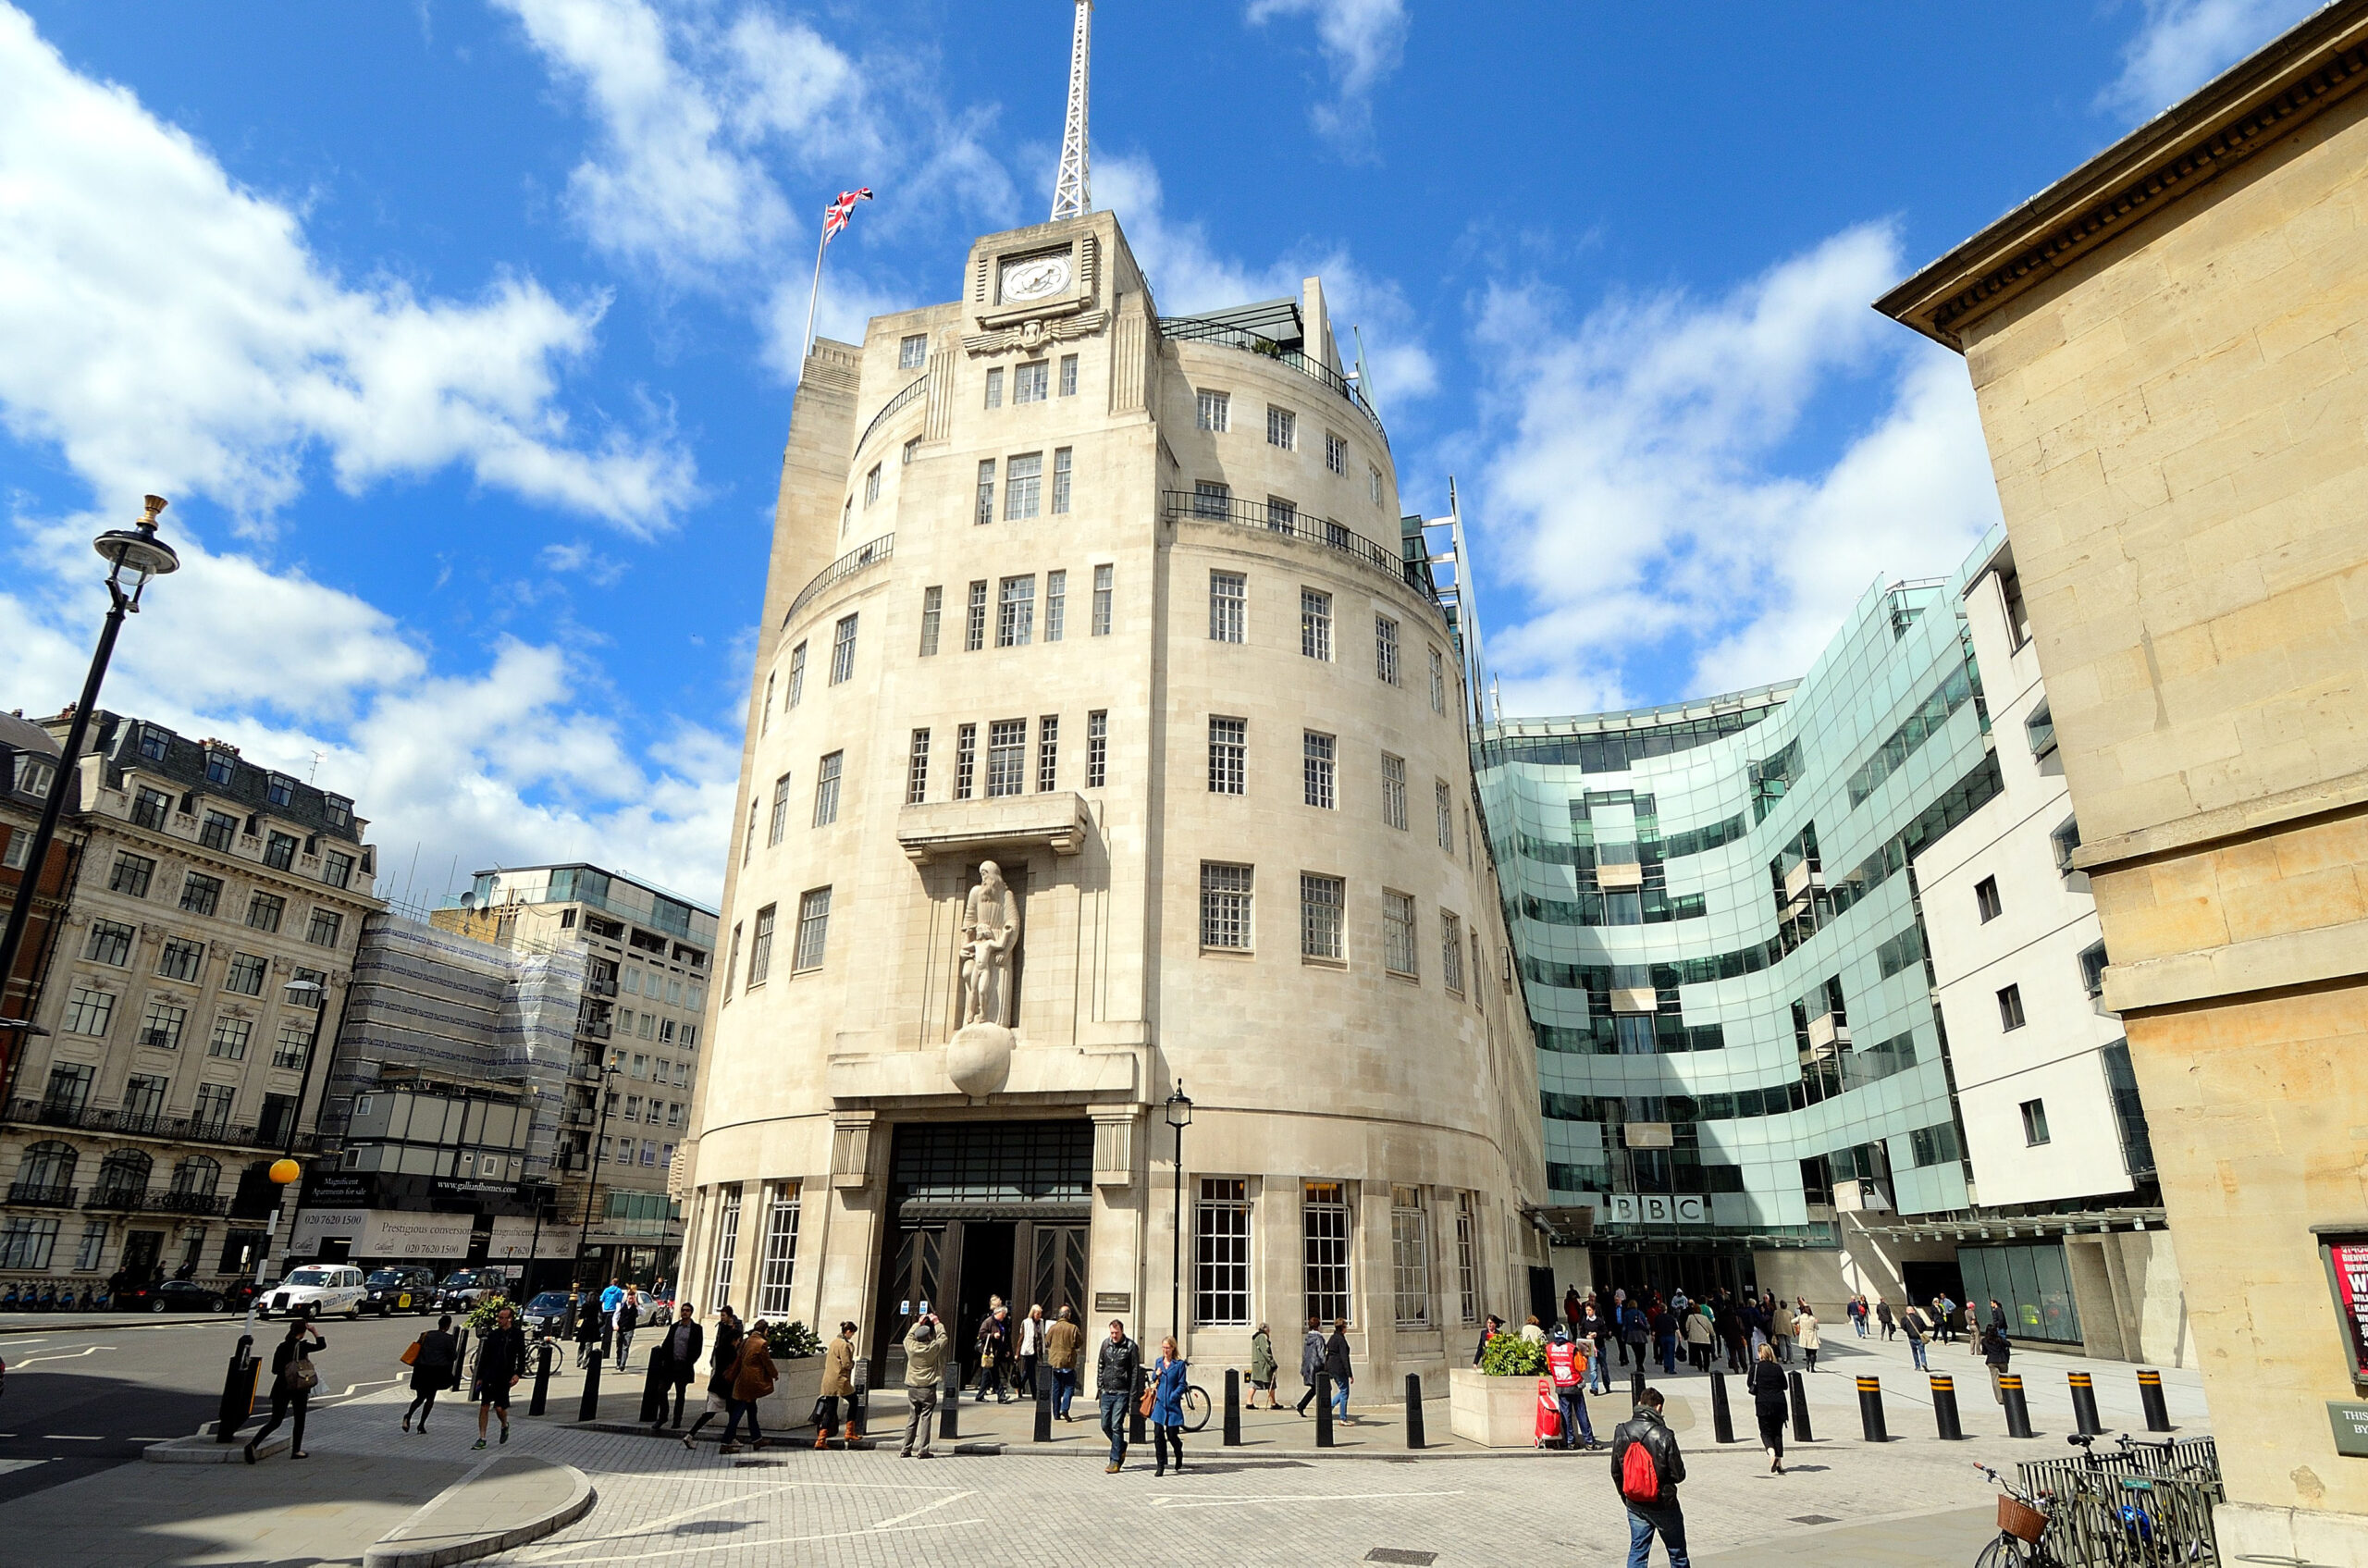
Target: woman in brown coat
column 838, row 1384
column 752, row 1379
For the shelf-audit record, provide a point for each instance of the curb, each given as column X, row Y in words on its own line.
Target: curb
column 390, row 1550
column 203, row 1449
column 790, row 1445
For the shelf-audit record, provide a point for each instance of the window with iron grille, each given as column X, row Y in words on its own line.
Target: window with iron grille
column 1315, row 623
column 1225, row 906
column 1056, row 605
column 1006, row 758
column 994, row 386
column 219, row 829
column 779, row 1267
column 1324, row 1224
column 1103, row 578
column 842, row 648
column 932, row 609
column 1316, row 765
column 966, row 760
column 984, row 512
column 1048, row 751
column 1068, row 375
column 1336, row 454
column 974, row 625
column 780, row 820
column 1467, row 1259
column 1221, row 1251
column 912, row 352
column 1322, row 900
column 1393, row 791
column 1398, row 932
column 132, row 872
column 1443, row 808
column 1212, row 500
column 180, row 958
column 245, row 974
column 1016, row 611
column 1228, row 756
column 727, row 1245
column 1282, row 427
column 160, row 1026
column 760, row 949
column 264, row 911
column 88, row 1012
column 826, row 788
column 201, row 895
column 1023, row 485
column 797, row 676
column 1217, row 412
column 1228, row 606
column 110, row 943
column 1097, row 748
column 230, row 1037
column 1032, row 383
column 1385, row 649
column 1439, row 682
column 149, row 809
column 916, row 770
column 280, row 851
column 1409, row 1256
column 813, row 927
column 1064, row 472
column 1451, row 951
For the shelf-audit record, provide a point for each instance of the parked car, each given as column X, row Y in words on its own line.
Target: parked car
column 398, row 1288
column 462, row 1288
column 547, row 1314
column 325, row 1288
column 170, row 1295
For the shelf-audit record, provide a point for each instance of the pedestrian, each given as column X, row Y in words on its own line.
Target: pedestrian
column 590, row 1323
column 753, row 1377
column 1571, row 1307
column 1633, row 1329
column 838, row 1389
column 1490, row 1328
column 1262, row 1368
column 1595, row 1326
column 678, row 1353
column 1997, row 1316
column 1566, row 1362
column 1116, row 1370
column 1858, row 1315
column 1806, row 1331
column 1995, row 1349
column 293, row 1380
column 609, row 1299
column 431, row 1369
column 925, row 1350
column 1336, row 1366
column 1032, row 1349
column 1665, row 1332
column 1780, row 1330
column 1648, row 1482
column 994, row 1339
column 1061, row 1341
column 721, row 1362
column 1310, row 1360
column 1165, row 1395
column 1912, row 1321
column 501, row 1360
column 1882, row 1316
column 1532, row 1331
column 1766, row 1388
column 1698, row 1336
column 627, row 1317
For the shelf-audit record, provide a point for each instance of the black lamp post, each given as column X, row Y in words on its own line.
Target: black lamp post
column 592, row 1183
column 136, row 550
column 1179, row 1117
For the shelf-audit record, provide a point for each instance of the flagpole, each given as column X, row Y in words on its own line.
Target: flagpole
column 806, row 344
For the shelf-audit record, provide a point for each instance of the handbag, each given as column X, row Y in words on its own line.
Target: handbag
column 411, row 1354
column 825, row 1408
column 301, row 1374
column 1143, row 1406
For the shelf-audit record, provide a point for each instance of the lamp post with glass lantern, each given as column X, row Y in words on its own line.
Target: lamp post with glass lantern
column 1179, row 1117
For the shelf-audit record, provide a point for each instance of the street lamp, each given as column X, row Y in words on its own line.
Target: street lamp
column 592, row 1183
column 1179, row 1117
column 136, row 550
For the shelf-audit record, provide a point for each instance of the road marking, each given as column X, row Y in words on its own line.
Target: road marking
column 1178, row 1501
column 927, row 1507
column 68, row 1355
column 69, row 1438
column 737, row 1545
column 374, row 1383
column 9, row 1467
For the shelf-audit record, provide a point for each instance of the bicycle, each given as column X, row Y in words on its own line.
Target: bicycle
column 1196, row 1407
column 2022, row 1527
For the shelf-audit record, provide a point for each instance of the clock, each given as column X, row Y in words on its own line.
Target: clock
column 1035, row 277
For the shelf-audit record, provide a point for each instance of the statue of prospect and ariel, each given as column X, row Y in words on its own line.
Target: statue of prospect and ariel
column 990, row 941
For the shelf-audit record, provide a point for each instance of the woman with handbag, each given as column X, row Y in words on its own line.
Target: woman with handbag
column 1768, row 1391
column 1162, row 1404
column 430, row 1357
column 293, row 1380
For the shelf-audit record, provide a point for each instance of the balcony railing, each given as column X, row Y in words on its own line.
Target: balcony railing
column 143, row 1124
column 888, row 409
column 1190, row 329
column 600, row 985
column 141, row 1200
column 845, row 566
column 1199, row 508
column 41, row 1195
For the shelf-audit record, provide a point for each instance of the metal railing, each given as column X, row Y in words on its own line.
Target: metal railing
column 1183, row 504
column 143, row 1124
column 900, row 401
column 2151, row 1504
column 1190, row 329
column 845, row 566
column 42, row 1195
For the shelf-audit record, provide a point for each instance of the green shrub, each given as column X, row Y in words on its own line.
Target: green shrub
column 1510, row 1355
column 791, row 1340
column 480, row 1316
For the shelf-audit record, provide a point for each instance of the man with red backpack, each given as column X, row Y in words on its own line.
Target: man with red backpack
column 1647, row 1468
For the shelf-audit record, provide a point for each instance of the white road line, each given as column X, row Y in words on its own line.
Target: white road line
column 736, row 1544
column 69, row 1355
column 927, row 1507
column 1203, row 1500
column 9, row 1467
column 69, row 1438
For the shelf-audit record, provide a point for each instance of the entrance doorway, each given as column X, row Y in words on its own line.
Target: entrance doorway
column 141, row 1250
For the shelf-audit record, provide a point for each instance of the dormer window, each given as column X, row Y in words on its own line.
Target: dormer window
column 221, row 767
column 337, row 810
column 280, row 789
column 155, row 743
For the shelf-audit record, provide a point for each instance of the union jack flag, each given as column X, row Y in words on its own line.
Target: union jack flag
column 841, row 210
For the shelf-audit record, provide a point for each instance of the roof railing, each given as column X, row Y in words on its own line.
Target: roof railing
column 1193, row 330
column 1203, row 507
column 890, row 408
column 869, row 554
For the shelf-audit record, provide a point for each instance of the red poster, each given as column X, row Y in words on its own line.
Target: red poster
column 2348, row 1263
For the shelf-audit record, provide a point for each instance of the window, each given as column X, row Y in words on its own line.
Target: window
column 916, row 770
column 1097, row 748
column 1221, row 1251
column 1282, row 517
column 26, row 1242
column 1393, row 792
column 1032, row 383
column 779, row 1267
column 761, row 951
column 1228, row 606
column 1373, row 488
column 797, row 676
column 280, row 851
column 2018, row 615
column 221, row 767
column 1056, row 604
column 1451, row 951
column 1336, row 454
column 180, row 958
column 245, row 974
column 974, row 627
column 201, row 895
column 727, row 1243
column 1068, row 375
column 984, row 512
column 933, row 608
column 1282, row 427
column 132, row 872
column 1015, row 612
column 160, row 1026
column 748, row 839
column 2093, row 971
column 912, row 352
column 1102, row 591
column 994, row 387
column 1228, row 752
column 1439, row 682
column 1212, row 500
column 1315, row 623
column 337, row 868
column 218, row 830
column 1006, row 758
column 871, row 486
column 2034, row 1122
column 88, row 1012
column 912, row 449
column 1467, row 1248
column 1023, row 487
column 1443, row 809
column 734, row 967
column 93, row 1245
column 1217, row 412
column 2065, row 840
column 2010, row 1007
column 1985, row 899
column 1316, row 770
column 2040, row 730
column 843, row 650
column 826, row 789
column 110, row 944
column 1324, row 1224
column 966, row 760
column 230, row 1036
column 323, row 930
column 1225, row 906
column 1409, row 1256
column 264, row 911
column 1321, row 901
column 777, row 825
column 69, row 1090
column 154, row 744
column 1048, row 751
column 1398, row 933
column 337, row 810
column 1385, row 649
column 813, row 927
column 149, row 809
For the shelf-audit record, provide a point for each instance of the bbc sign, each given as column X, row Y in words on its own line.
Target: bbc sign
column 1650, row 1208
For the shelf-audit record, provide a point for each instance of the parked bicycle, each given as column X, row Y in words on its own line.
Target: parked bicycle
column 1196, row 1407
column 2022, row 1527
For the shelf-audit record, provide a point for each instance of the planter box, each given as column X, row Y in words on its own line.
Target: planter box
column 1498, row 1412
column 796, row 1384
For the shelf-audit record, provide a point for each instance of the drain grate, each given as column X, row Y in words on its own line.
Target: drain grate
column 1400, row 1554
column 1815, row 1519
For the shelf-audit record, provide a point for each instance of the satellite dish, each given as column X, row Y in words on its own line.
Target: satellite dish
column 469, row 900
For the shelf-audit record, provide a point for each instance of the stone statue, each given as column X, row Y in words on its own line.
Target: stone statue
column 989, row 941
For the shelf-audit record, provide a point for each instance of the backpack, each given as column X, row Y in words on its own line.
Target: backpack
column 1640, row 1478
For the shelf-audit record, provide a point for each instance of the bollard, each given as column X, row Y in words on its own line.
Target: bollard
column 1414, row 1410
column 2084, row 1404
column 653, row 1387
column 1944, row 1407
column 239, row 1391
column 1324, row 1410
column 1722, row 1420
column 1043, row 1432
column 1871, row 1411
column 588, row 1409
column 2018, row 1413
column 949, row 1424
column 1135, row 1407
column 2150, row 1393
column 857, row 1414
column 1801, row 1433
column 1232, row 1439
column 542, row 1380
column 1636, row 1386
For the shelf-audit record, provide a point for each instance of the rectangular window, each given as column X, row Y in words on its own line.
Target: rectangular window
column 323, row 929
column 160, row 1026
column 1451, row 951
column 748, row 839
column 1443, row 809
column 1320, row 902
column 813, row 927
column 932, row 609
column 1282, row 517
column 93, row 1246
column 1467, row 1250
column 1336, row 454
column 110, row 943
column 280, row 851
column 1048, row 751
column 1225, row 906
column 1385, row 649
column 1393, row 791
column 1221, row 1253
column 760, row 950
column 727, row 1245
column 1372, row 489
column 1212, row 500
column 1217, row 412
column 264, row 911
column 1398, row 933
column 1316, row 765
column 1228, row 606
column 1056, row 605
column 984, row 512
column 1282, row 427
column 88, row 1012
column 1409, row 1256
column 966, row 760
column 826, row 789
column 732, row 968
column 230, row 1036
column 797, row 676
column 218, row 830
column 149, row 809
column 2093, row 971
column 1103, row 586
column 1315, row 623
column 1323, row 1225
column 132, row 872
column 780, row 1266
column 221, row 767
column 2034, row 1122
column 1097, row 748
column 1023, row 485
column 69, row 1090
column 994, row 386
column 1032, row 383
column 912, row 352
column 201, row 895
column 974, row 625
column 1068, row 375
column 843, row 650
column 1439, row 682
column 2010, row 1007
column 1016, row 611
column 180, row 958
column 1063, row 469
column 1986, row 900
column 779, row 820
column 1228, row 756
column 871, row 486
column 916, row 770
column 26, row 1242
column 245, row 974
column 1006, row 758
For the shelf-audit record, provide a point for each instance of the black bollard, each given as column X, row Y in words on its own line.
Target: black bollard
column 1414, row 1410
column 1135, row 1418
column 1722, row 1420
column 653, row 1388
column 1801, row 1433
column 542, row 1380
column 949, row 1422
column 1944, row 1407
column 2018, row 1413
column 588, row 1408
column 1232, row 1407
column 237, row 1391
column 1871, row 1411
column 1044, row 1433
column 2084, row 1404
column 1636, row 1386
column 1324, row 1410
column 858, row 1410
column 2150, row 1393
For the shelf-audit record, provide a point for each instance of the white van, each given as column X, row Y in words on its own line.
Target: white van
column 325, row 1288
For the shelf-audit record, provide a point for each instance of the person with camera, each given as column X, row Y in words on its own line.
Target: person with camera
column 925, row 1350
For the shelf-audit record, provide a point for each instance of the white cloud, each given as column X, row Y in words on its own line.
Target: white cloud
column 1644, row 502
column 165, row 328
column 2184, row 44
column 1363, row 41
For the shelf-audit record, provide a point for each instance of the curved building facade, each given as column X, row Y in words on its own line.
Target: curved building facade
column 1125, row 608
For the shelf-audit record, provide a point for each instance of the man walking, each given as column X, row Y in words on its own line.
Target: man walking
column 678, row 1353
column 1568, row 1363
column 628, row 1319
column 1115, row 1373
column 925, row 1350
column 1336, row 1366
column 1647, row 1469
column 1031, row 1350
column 1311, row 1362
column 1060, row 1348
column 609, row 1299
column 501, row 1361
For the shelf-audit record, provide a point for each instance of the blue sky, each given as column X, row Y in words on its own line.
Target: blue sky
column 454, row 330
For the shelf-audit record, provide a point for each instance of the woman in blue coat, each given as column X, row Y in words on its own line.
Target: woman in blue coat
column 1167, row 1386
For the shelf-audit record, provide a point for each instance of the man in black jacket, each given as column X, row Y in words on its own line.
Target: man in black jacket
column 1116, row 1371
column 678, row 1354
column 1653, row 1509
column 501, row 1361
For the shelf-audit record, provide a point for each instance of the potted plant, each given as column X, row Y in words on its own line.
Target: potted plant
column 797, row 1382
column 1495, row 1403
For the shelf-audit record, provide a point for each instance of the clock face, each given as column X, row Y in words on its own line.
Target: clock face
column 1034, row 279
